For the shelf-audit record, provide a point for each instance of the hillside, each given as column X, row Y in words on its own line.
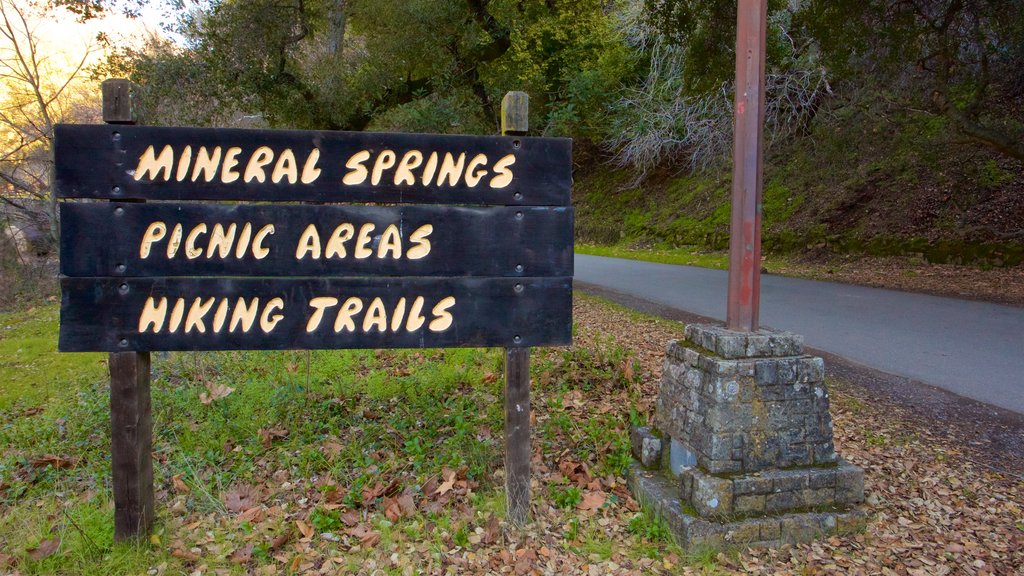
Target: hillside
column 868, row 182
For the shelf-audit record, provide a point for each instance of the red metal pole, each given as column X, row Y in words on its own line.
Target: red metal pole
column 748, row 167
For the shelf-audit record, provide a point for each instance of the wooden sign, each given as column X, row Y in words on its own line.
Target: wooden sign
column 134, row 162
column 137, row 239
column 140, row 277
column 107, row 314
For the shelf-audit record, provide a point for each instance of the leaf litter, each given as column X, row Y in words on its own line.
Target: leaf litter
column 933, row 511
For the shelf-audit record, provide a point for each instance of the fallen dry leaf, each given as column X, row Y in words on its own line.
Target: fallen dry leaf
column 350, row 518
column 306, row 530
column 44, row 549
column 241, row 498
column 491, row 530
column 179, row 485
column 280, row 540
column 254, row 515
column 448, row 484
column 268, row 435
column 185, row 555
column 214, row 392
column 592, row 501
column 367, row 537
column 54, row 461
column 243, row 555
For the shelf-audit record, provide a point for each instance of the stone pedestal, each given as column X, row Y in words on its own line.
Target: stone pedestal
column 741, row 451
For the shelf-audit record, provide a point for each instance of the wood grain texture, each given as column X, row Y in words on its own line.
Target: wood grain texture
column 517, row 434
column 102, row 314
column 104, row 239
column 131, row 432
column 99, row 161
column 515, row 113
column 119, row 102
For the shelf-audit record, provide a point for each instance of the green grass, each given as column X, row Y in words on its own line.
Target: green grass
column 31, row 372
column 686, row 256
column 346, row 421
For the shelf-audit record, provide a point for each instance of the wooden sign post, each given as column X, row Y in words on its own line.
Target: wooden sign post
column 416, row 241
column 515, row 121
column 131, row 413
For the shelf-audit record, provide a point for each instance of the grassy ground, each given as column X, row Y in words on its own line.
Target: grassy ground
column 686, row 256
column 292, row 462
column 390, row 462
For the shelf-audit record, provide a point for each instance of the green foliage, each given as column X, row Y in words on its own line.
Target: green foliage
column 649, row 526
column 990, row 175
column 706, row 31
column 567, row 497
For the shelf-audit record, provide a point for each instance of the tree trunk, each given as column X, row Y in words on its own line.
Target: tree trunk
column 336, row 32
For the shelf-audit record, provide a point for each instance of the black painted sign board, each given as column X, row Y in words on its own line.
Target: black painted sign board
column 148, row 239
column 147, row 314
column 118, row 162
column 468, row 241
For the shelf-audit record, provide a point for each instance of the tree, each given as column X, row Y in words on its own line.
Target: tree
column 961, row 59
column 419, row 65
column 39, row 94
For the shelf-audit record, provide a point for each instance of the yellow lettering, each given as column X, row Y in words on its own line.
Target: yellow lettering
column 385, row 160
column 350, row 308
column 228, row 174
column 404, row 175
column 451, row 169
column 390, row 241
column 268, row 322
column 502, row 175
column 243, row 241
column 183, row 163
column 221, row 241
column 309, row 170
column 376, row 316
column 286, row 167
column 206, row 164
column 176, row 315
column 422, row 245
column 442, row 318
column 308, row 242
column 220, row 316
column 398, row 316
column 416, row 318
column 191, row 252
column 175, row 241
column 244, row 315
column 358, row 171
column 473, row 176
column 319, row 304
column 196, row 313
column 155, row 233
column 258, row 251
column 336, row 245
column 153, row 314
column 362, row 251
column 254, row 170
column 430, row 169
column 153, row 165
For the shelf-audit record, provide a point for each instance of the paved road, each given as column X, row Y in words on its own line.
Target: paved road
column 973, row 349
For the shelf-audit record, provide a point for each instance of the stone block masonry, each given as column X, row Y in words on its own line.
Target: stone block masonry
column 749, row 414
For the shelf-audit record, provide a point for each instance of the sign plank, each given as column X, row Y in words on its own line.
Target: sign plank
column 141, row 240
column 158, row 163
column 133, row 314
